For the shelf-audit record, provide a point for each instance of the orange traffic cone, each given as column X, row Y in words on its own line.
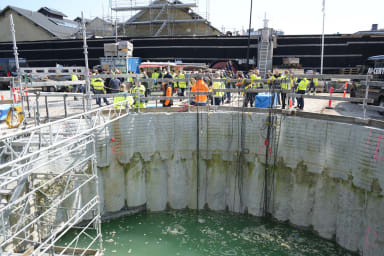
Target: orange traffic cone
column 290, row 103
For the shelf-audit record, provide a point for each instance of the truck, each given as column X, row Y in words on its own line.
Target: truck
column 8, row 70
column 375, row 67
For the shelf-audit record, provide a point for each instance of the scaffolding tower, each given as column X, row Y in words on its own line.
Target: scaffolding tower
column 159, row 17
column 49, row 186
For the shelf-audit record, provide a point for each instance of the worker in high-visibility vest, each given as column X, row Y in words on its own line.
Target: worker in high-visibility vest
column 98, row 88
column 182, row 85
column 121, row 98
column 218, row 96
column 286, row 85
column 155, row 75
column 199, row 86
column 313, row 84
column 139, row 98
column 301, row 89
column 250, row 96
column 76, row 87
column 167, row 88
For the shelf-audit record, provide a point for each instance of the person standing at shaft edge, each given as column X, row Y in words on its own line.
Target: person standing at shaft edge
column 139, row 98
column 301, row 88
column 181, row 84
column 199, row 86
column 285, row 85
column 167, row 87
column 218, row 96
column 98, row 88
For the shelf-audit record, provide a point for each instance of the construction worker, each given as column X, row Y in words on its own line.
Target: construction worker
column 76, row 87
column 168, row 88
column 123, row 97
column 182, row 85
column 301, row 89
column 155, row 75
column 313, row 84
column 98, row 88
column 139, row 98
column 285, row 85
column 218, row 96
column 250, row 96
column 199, row 86
column 114, row 85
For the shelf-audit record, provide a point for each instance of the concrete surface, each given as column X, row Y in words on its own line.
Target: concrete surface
column 329, row 176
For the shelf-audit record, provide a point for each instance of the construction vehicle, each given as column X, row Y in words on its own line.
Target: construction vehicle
column 374, row 67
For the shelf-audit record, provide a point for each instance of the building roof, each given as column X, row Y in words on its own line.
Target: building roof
column 189, row 11
column 60, row 28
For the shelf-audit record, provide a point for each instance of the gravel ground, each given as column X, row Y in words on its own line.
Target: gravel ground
column 56, row 109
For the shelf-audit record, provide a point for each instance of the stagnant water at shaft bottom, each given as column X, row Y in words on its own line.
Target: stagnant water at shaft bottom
column 188, row 233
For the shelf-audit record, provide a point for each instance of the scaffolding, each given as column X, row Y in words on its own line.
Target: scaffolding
column 158, row 17
column 45, row 171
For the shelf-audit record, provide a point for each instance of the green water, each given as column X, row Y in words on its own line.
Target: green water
column 187, row 233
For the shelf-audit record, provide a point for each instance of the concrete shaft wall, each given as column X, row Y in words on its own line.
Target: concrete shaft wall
column 328, row 176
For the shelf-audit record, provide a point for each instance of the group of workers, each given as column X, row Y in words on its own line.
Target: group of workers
column 200, row 84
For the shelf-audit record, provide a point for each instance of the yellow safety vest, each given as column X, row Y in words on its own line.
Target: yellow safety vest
column 155, row 75
column 118, row 99
column 98, row 84
column 315, row 81
column 139, row 90
column 218, row 85
column 286, row 83
column 182, row 84
column 74, row 78
column 303, row 85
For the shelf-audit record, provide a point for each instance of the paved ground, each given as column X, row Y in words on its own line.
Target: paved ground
column 56, row 107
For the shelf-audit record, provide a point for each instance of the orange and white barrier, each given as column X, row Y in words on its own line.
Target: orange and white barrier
column 345, row 89
column 330, row 100
column 17, row 95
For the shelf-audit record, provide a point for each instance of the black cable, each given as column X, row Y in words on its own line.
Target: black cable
column 197, row 158
column 249, row 34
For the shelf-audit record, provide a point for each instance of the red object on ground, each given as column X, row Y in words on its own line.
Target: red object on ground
column 2, row 97
column 113, row 139
column 345, row 89
column 14, row 95
column 290, row 103
column 330, row 101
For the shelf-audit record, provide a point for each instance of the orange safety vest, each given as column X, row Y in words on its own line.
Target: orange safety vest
column 168, row 93
column 200, row 87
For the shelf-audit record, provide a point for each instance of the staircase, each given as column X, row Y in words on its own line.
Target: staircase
column 263, row 57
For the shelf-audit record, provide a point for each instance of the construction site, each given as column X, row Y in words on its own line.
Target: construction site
column 112, row 155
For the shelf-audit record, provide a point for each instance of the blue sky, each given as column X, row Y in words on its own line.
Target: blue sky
column 293, row 17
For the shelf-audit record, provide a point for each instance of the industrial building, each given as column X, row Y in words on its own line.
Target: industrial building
column 173, row 150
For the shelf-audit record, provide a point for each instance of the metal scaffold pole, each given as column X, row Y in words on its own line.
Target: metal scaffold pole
column 87, row 78
column 16, row 54
column 249, row 34
column 322, row 41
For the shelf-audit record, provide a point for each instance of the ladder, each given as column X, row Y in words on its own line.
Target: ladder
column 263, row 57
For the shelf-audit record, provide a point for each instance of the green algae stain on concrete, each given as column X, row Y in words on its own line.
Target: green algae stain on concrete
column 207, row 233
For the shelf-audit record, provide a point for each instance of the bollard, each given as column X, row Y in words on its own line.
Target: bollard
column 330, row 100
column 345, row 89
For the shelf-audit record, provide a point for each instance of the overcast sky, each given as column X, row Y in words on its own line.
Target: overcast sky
column 292, row 17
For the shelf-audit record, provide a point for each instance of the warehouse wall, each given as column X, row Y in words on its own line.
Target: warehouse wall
column 329, row 176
